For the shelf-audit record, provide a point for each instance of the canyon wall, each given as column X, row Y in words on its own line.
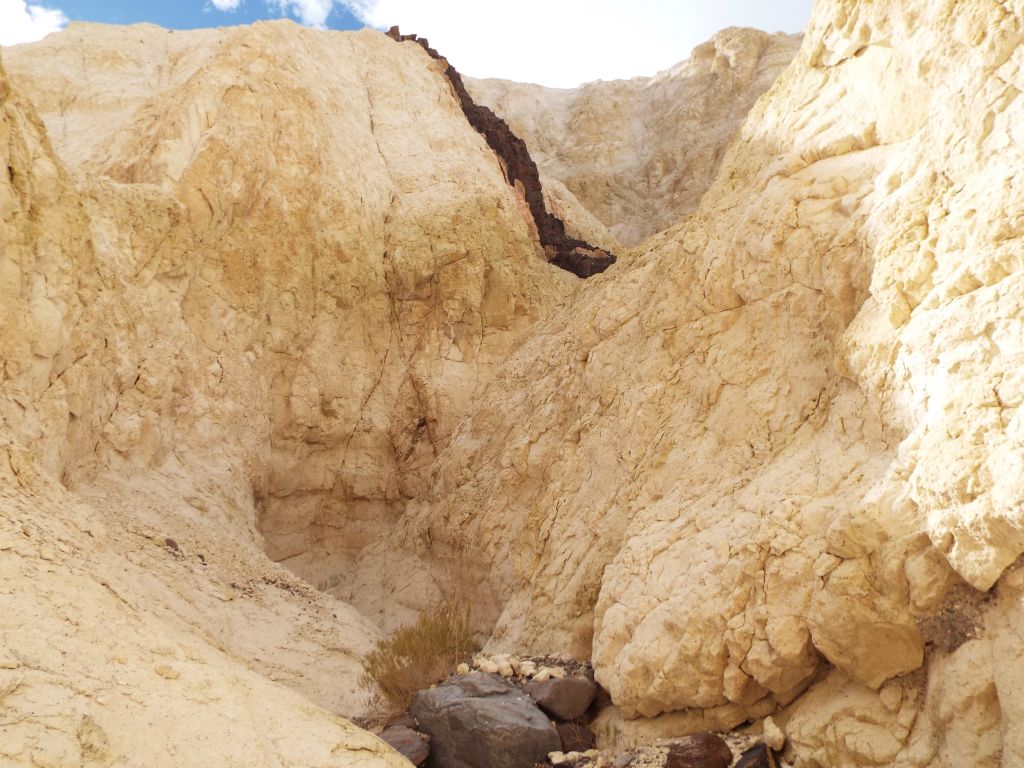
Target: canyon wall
column 269, row 291
column 341, row 263
column 247, row 292
column 639, row 154
column 773, row 460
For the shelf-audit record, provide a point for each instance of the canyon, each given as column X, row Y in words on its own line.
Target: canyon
column 286, row 361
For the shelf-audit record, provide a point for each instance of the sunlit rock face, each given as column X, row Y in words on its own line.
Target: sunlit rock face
column 251, row 280
column 639, row 154
column 266, row 295
column 784, row 436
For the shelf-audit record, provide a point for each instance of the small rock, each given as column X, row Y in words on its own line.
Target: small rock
column 414, row 746
column 702, row 750
column 172, row 545
column 557, row 672
column 573, row 757
column 168, row 672
column 527, row 668
column 773, row 735
column 542, row 675
column 758, row 756
column 505, row 669
column 488, row 666
column 557, row 758
column 462, row 669
column 623, row 761
column 575, row 737
column 563, row 698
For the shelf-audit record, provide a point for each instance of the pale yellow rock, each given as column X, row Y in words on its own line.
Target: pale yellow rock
column 284, row 299
column 329, row 350
column 637, row 155
column 773, row 735
column 274, row 272
column 842, row 724
column 738, row 456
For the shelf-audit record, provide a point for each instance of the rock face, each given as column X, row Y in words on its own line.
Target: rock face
column 787, row 433
column 572, row 254
column 237, row 303
column 268, row 288
column 322, row 297
column 481, row 721
column 639, row 154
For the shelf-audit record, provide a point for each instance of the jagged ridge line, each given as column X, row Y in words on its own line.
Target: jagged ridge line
column 572, row 254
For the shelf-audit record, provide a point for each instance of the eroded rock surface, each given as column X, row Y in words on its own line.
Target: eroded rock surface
column 269, row 287
column 789, row 430
column 639, row 154
column 570, row 253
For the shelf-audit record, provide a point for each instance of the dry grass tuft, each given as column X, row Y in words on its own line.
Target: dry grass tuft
column 418, row 655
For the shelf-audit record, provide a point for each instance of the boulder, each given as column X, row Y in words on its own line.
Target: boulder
column 758, row 756
column 575, row 737
column 566, row 698
column 702, row 750
column 481, row 721
column 411, row 744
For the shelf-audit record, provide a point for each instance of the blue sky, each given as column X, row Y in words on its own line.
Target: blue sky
column 187, row 14
column 559, row 43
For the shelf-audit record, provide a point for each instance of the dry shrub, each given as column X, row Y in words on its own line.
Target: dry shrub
column 418, row 655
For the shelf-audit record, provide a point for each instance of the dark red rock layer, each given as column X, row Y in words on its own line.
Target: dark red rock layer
column 577, row 256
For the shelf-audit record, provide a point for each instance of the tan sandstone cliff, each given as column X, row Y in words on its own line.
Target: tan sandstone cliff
column 268, row 289
column 774, row 460
column 278, row 268
column 639, row 154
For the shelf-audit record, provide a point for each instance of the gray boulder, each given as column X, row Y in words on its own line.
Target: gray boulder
column 565, row 698
column 481, row 721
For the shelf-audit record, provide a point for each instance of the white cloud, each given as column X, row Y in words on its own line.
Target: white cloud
column 226, row 5
column 566, row 42
column 23, row 23
column 312, row 13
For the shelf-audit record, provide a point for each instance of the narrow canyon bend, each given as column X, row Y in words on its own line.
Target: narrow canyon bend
column 283, row 361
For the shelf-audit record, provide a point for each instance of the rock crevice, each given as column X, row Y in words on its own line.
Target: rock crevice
column 572, row 254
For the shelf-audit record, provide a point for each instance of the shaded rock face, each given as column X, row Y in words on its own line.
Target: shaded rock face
column 569, row 253
column 566, row 698
column 575, row 737
column 758, row 756
column 702, row 750
column 481, row 721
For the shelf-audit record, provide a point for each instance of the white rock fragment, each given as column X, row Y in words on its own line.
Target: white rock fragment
column 557, row 758
column 462, row 669
column 773, row 735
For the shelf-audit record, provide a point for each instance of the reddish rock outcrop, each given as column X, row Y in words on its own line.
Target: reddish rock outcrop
column 577, row 256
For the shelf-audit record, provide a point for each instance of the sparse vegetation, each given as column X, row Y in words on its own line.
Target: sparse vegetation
column 418, row 655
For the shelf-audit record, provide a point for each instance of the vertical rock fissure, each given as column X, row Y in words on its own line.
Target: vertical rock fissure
column 572, row 254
